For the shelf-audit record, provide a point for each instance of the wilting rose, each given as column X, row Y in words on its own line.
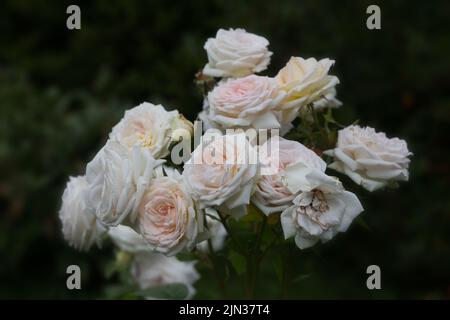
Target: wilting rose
column 304, row 81
column 271, row 192
column 79, row 225
column 236, row 53
column 321, row 210
column 221, row 172
column 244, row 102
column 153, row 270
column 369, row 158
column 151, row 127
column 168, row 219
column 117, row 178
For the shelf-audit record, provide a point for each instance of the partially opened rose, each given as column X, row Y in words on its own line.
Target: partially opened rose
column 370, row 158
column 117, row 178
column 168, row 219
column 149, row 126
column 79, row 225
column 304, row 81
column 221, row 172
column 244, row 102
column 236, row 53
column 322, row 209
column 271, row 192
column 154, row 270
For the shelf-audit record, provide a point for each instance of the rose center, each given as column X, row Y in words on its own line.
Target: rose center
column 316, row 207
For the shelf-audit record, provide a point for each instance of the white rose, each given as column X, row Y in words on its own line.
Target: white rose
column 244, row 102
column 127, row 239
column 168, row 219
column 304, row 82
column 221, row 172
column 149, row 126
column 369, row 158
column 154, row 270
column 236, row 53
column 117, row 178
column 321, row 210
column 216, row 232
column 79, row 225
column 271, row 192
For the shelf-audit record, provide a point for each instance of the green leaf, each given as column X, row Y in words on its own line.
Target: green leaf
column 110, row 269
column 278, row 267
column 175, row 291
column 253, row 214
column 301, row 277
column 238, row 261
column 393, row 185
column 362, row 223
column 273, row 218
column 328, row 116
column 117, row 291
column 227, row 271
column 186, row 256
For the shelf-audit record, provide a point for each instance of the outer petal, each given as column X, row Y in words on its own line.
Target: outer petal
column 287, row 223
column 353, row 208
column 305, row 242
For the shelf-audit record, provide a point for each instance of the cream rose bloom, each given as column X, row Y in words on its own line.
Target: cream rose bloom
column 153, row 270
column 126, row 239
column 216, row 232
column 168, row 219
column 246, row 102
column 149, row 126
column 321, row 210
column 117, row 178
column 79, row 225
column 370, row 158
column 271, row 192
column 221, row 173
column 304, row 81
column 236, row 53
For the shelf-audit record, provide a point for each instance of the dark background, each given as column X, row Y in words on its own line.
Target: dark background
column 61, row 91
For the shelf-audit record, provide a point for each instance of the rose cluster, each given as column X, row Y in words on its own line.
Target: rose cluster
column 132, row 192
column 243, row 99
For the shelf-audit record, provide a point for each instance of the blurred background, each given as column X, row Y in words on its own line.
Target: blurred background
column 61, row 91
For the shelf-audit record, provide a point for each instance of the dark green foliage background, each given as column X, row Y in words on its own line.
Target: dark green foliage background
column 61, row 92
